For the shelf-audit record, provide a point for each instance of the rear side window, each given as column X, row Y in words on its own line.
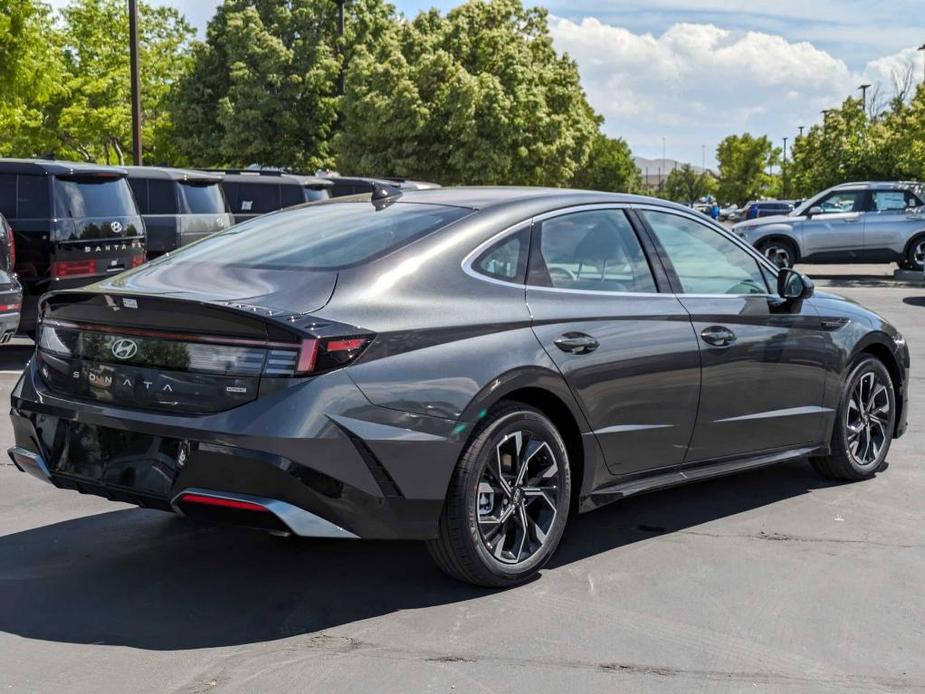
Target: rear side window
column 94, row 197
column 291, row 194
column 32, row 199
column 162, row 197
column 139, row 188
column 322, row 237
column 257, row 198
column 595, row 250
column 507, row 259
column 893, row 200
column 203, row 198
column 8, row 195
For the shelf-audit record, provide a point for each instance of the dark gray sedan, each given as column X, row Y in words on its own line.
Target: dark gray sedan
column 460, row 366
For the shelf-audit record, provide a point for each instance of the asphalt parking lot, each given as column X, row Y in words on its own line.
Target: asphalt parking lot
column 772, row 580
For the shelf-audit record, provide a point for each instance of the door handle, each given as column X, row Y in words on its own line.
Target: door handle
column 718, row 336
column 577, row 343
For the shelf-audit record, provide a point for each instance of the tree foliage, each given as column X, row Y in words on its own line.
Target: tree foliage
column 478, row 95
column 687, row 186
column 609, row 167
column 744, row 162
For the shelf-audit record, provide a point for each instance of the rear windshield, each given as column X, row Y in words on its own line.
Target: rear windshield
column 203, row 198
column 323, row 237
column 94, row 197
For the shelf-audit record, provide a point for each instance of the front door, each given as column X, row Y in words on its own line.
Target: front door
column 627, row 351
column 763, row 360
column 838, row 229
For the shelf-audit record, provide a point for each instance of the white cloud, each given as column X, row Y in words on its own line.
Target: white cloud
column 696, row 83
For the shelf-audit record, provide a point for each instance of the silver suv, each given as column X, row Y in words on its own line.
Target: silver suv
column 868, row 222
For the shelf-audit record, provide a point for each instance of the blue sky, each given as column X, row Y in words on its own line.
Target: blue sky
column 693, row 71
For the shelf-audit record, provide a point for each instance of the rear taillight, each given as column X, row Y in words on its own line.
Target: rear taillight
column 12, row 251
column 222, row 502
column 10, row 308
column 137, row 261
column 73, row 268
column 316, row 355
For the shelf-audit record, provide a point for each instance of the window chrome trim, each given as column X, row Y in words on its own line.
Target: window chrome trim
column 513, row 229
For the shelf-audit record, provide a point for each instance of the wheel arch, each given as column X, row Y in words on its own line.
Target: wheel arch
column 879, row 346
column 916, row 237
column 781, row 236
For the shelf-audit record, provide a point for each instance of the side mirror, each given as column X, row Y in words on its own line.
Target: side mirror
column 793, row 285
column 814, row 210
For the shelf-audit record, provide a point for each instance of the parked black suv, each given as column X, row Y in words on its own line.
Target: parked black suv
column 255, row 192
column 10, row 289
column 178, row 206
column 73, row 224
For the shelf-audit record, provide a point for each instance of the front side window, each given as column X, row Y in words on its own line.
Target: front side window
column 507, row 259
column 81, row 198
column 845, row 201
column 204, row 198
column 322, row 237
column 705, row 261
column 595, row 250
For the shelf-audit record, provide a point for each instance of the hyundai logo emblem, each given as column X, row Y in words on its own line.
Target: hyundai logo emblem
column 124, row 348
column 116, row 227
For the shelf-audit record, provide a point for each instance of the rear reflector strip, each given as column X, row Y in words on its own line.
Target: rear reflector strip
column 7, row 308
column 223, row 503
column 73, row 268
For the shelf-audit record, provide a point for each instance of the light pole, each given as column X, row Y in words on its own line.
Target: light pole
column 864, row 88
column 136, row 88
column 922, row 48
column 340, row 48
column 801, row 128
column 783, row 170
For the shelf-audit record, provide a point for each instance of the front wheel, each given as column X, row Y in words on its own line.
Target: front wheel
column 864, row 424
column 507, row 502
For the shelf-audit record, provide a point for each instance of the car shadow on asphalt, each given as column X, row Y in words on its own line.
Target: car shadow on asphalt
column 145, row 579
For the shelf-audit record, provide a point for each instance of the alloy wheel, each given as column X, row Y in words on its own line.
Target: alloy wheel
column 918, row 254
column 867, row 419
column 778, row 254
column 518, row 497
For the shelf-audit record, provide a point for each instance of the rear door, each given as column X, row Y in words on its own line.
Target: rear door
column 840, row 227
column 763, row 360
column 626, row 350
column 889, row 223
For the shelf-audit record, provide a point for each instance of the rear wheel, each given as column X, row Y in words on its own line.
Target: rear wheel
column 915, row 255
column 780, row 252
column 864, row 424
column 507, row 502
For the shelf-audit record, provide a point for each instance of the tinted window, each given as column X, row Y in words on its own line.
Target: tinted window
column 257, row 198
column 8, row 195
column 507, row 259
column 321, row 237
column 705, row 261
column 596, row 250
column 203, row 199
column 291, row 194
column 231, row 194
column 94, row 197
column 162, row 197
column 139, row 188
column 33, row 198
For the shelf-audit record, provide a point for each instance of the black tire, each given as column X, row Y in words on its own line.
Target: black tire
column 853, row 426
column 915, row 254
column 781, row 252
column 475, row 499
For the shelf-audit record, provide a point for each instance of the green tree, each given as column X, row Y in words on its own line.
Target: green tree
column 478, row 95
column 31, row 75
column 744, row 161
column 263, row 88
column 687, row 186
column 94, row 122
column 609, row 167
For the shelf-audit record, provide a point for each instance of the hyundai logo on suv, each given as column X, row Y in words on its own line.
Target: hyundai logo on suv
column 124, row 348
column 116, row 227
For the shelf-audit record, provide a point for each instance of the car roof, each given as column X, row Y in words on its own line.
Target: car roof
column 497, row 197
column 173, row 174
column 47, row 167
column 868, row 185
column 270, row 176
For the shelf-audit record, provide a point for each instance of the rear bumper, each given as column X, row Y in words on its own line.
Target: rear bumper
column 318, row 456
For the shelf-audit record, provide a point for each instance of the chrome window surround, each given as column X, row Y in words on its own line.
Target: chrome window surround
column 514, row 228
